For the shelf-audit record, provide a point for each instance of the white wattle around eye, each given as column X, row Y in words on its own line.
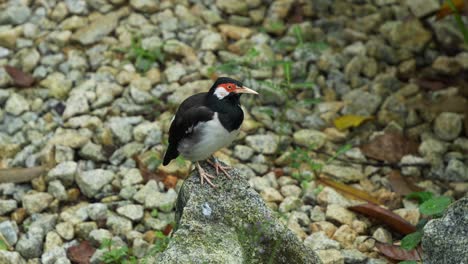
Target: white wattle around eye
column 220, row 92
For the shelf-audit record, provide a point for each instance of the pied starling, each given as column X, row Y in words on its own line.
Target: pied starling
column 205, row 123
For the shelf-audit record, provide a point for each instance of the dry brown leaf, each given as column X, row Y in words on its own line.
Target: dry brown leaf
column 400, row 185
column 390, row 147
column 394, row 221
column 17, row 175
column 348, row 190
column 445, row 9
column 81, row 253
column 20, row 78
column 397, row 253
column 170, row 181
column 167, row 230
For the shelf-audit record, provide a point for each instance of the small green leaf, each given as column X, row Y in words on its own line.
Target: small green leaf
column 412, row 240
column 420, row 196
column 408, row 262
column 435, row 206
column 154, row 213
column 3, row 245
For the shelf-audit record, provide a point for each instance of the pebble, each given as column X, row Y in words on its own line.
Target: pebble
column 330, row 256
column 36, row 202
column 131, row 211
column 309, row 138
column 65, row 230
column 319, row 241
column 448, row 126
column 265, row 144
column 382, row 235
column 9, row 231
column 16, row 104
column 271, row 195
column 345, row 235
column 162, row 201
column 7, row 206
column 91, row 182
column 340, row 214
column 64, row 171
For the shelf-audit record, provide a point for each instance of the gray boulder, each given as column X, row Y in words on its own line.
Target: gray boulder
column 229, row 224
column 445, row 239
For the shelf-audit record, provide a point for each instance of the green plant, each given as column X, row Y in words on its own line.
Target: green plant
column 301, row 156
column 431, row 207
column 142, row 58
column 459, row 21
column 119, row 255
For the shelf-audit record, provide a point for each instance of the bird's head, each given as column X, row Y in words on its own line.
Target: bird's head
column 225, row 87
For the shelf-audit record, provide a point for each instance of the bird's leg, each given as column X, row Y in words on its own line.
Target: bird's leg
column 205, row 175
column 220, row 167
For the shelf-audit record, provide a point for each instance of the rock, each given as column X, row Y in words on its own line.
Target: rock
column 131, row 211
column 8, row 37
column 7, row 257
column 16, row 104
column 211, row 41
column 36, row 202
column 243, row 152
column 131, row 177
column 15, row 14
column 93, row 152
column 217, row 217
column 75, row 105
column 230, row 7
column 431, row 146
column 448, row 126
column 359, row 102
column 235, row 32
column 291, row 190
column 382, row 235
column 420, row 8
column 7, row 206
column 353, row 256
column 309, row 138
column 97, row 211
column 100, row 27
column 271, row 195
column 118, row 224
column 346, row 174
column 266, row 144
column 64, row 171
column 319, row 240
column 174, row 72
column 410, row 35
column 340, row 214
column 345, row 235
column 161, row 201
column 58, row 85
column 78, row 7
column 91, row 182
column 456, row 170
column 289, row 203
column 330, row 256
column 57, row 190
column 55, row 256
column 436, row 247
column 146, row 6
column 30, row 245
column 65, row 230
column 410, row 215
column 10, row 231
column 446, row 65
column 97, row 236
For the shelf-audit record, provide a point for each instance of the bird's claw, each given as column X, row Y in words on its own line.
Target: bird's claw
column 218, row 167
column 205, row 176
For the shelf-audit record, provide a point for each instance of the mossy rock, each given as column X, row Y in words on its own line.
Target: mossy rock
column 229, row 224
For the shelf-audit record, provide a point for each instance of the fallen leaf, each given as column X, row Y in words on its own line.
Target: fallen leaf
column 400, row 185
column 348, row 190
column 170, row 181
column 20, row 78
column 445, row 9
column 348, row 121
column 81, row 253
column 394, row 221
column 17, row 175
column 390, row 147
column 167, row 230
column 397, row 253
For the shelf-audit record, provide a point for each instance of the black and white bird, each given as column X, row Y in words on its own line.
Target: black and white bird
column 205, row 123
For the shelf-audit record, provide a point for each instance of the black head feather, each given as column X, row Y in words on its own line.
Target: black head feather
column 222, row 80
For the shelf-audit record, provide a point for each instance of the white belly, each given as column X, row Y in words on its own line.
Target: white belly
column 206, row 139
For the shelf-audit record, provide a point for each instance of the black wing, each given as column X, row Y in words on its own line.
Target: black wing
column 189, row 114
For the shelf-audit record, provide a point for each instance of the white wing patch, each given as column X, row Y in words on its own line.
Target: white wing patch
column 220, row 92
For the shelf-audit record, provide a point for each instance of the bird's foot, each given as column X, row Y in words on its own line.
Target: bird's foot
column 205, row 176
column 218, row 167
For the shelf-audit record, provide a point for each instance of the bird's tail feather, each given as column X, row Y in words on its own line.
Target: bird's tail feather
column 171, row 153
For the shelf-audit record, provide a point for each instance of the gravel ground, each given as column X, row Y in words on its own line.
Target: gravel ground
column 110, row 73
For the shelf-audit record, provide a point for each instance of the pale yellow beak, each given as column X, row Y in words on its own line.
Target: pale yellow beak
column 244, row 89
